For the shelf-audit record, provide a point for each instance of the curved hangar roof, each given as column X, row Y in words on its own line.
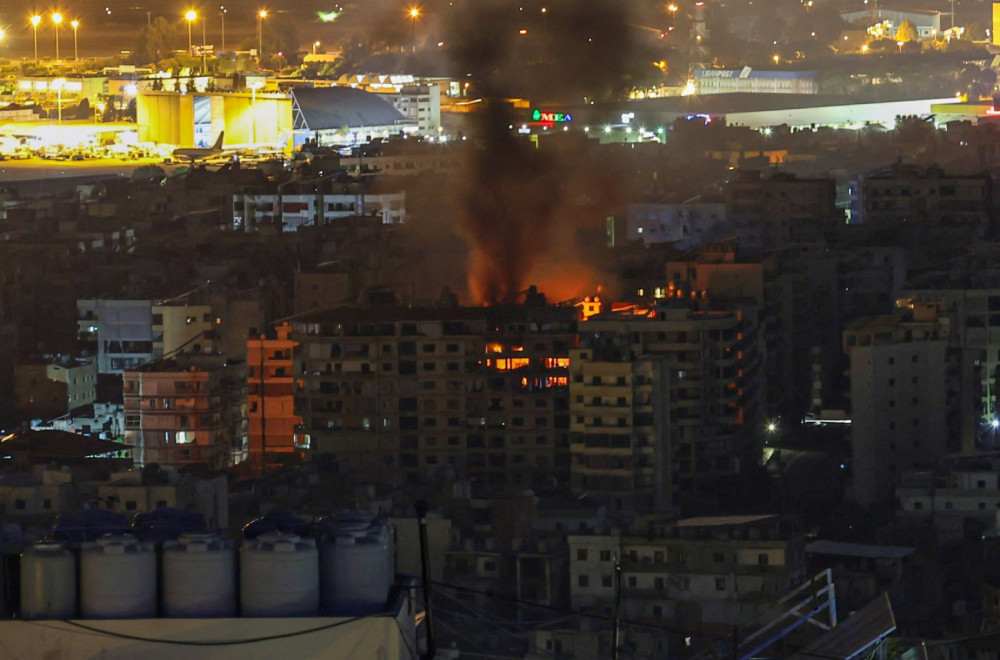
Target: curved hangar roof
column 327, row 108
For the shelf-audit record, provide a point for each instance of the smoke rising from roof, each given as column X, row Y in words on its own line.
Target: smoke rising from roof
column 514, row 209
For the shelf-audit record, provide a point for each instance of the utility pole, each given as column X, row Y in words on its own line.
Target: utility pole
column 425, row 571
column 616, row 631
column 263, row 413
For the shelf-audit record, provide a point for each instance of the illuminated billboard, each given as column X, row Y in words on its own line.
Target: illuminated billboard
column 548, row 117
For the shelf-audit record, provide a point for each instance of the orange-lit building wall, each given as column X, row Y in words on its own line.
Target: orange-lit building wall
column 270, row 402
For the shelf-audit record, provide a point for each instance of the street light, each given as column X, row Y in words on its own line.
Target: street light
column 414, row 15
column 254, row 86
column 672, row 8
column 261, row 15
column 190, row 16
column 900, row 44
column 57, row 19
column 222, row 18
column 76, row 24
column 35, row 20
column 204, row 47
column 58, row 84
column 315, row 46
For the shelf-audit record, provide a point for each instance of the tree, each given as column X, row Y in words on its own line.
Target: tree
column 907, row 32
column 154, row 41
column 278, row 36
column 974, row 32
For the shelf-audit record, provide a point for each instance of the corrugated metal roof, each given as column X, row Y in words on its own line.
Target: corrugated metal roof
column 855, row 635
column 328, row 108
column 857, row 550
column 712, row 521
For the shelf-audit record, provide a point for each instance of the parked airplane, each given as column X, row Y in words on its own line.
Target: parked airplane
column 193, row 154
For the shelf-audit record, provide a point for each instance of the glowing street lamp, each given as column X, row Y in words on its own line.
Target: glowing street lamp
column 776, row 58
column 35, row 20
column 59, row 83
column 222, row 18
column 191, row 16
column 315, row 46
column 261, row 15
column 76, row 24
column 672, row 8
column 57, row 18
column 414, row 15
column 900, row 44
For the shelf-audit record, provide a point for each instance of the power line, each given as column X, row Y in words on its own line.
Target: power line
column 233, row 642
column 600, row 617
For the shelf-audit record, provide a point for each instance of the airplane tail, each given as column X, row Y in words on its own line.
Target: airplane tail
column 218, row 140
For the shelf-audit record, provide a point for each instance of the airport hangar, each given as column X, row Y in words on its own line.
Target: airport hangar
column 326, row 116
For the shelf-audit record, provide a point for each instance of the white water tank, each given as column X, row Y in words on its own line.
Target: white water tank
column 279, row 576
column 117, row 579
column 48, row 582
column 199, row 577
column 356, row 568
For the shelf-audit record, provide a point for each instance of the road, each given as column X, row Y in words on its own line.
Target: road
column 35, row 177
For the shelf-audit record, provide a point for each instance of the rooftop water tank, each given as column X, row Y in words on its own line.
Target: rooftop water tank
column 167, row 523
column 89, row 525
column 279, row 576
column 356, row 565
column 199, row 577
column 48, row 582
column 117, row 579
column 277, row 521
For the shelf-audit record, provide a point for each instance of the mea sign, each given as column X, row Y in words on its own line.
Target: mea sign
column 550, row 117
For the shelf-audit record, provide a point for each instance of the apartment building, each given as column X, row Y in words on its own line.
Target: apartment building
column 397, row 393
column 186, row 410
column 54, row 387
column 293, row 211
column 903, row 395
column 120, row 331
column 664, row 399
column 272, row 425
column 706, row 570
column 686, row 225
column 971, row 309
column 778, row 209
column 914, row 193
column 960, row 498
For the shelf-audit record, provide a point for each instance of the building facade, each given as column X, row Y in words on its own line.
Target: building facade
column 189, row 410
column 405, row 394
column 902, row 399
column 695, row 410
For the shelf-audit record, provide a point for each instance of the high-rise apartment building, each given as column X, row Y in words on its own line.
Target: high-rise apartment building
column 903, row 396
column 405, row 393
column 973, row 317
column 667, row 397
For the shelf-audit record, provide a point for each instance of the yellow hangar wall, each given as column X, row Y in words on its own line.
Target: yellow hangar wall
column 168, row 117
